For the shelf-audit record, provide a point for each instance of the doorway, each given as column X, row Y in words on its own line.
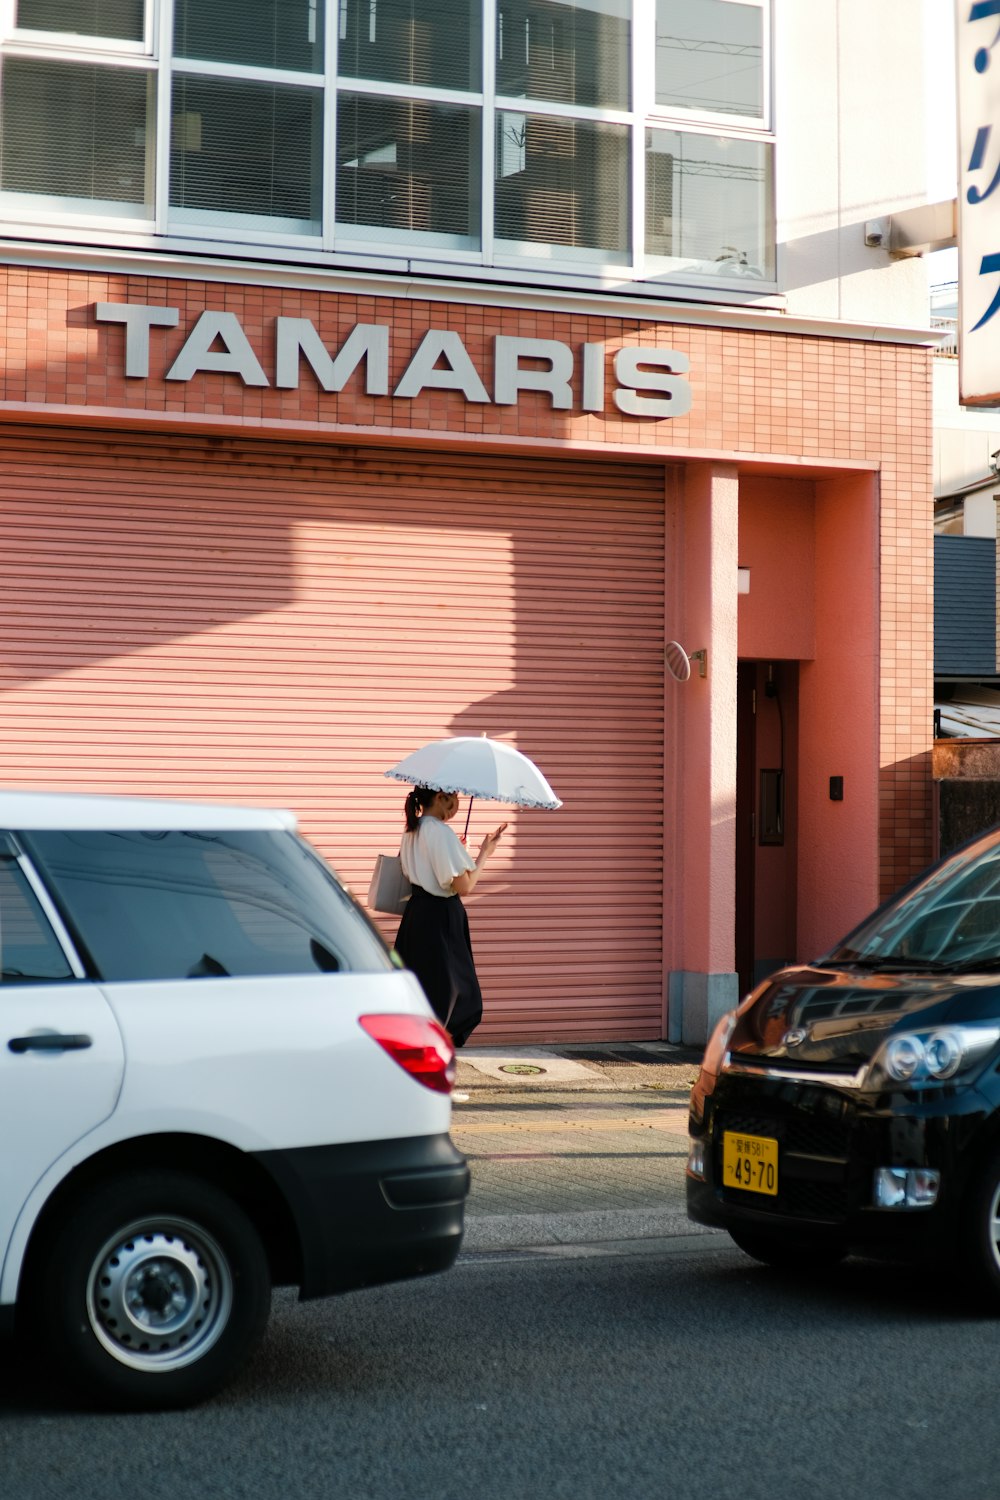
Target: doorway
column 766, row 761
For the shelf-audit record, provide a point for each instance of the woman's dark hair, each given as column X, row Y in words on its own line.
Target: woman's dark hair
column 420, row 798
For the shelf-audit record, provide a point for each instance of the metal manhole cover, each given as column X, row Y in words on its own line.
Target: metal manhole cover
column 520, row 1068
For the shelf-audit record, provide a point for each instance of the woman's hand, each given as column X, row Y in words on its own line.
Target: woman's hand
column 490, row 842
column 465, row 884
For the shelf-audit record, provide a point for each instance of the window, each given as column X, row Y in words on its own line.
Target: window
column 255, row 33
column 120, row 19
column 710, row 56
column 708, row 204
column 246, row 148
column 435, row 43
column 171, row 905
column 591, row 138
column 709, row 174
column 29, row 952
column 74, row 135
column 563, row 183
column 565, row 53
column 409, row 167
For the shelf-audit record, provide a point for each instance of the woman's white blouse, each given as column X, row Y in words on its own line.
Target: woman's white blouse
column 433, row 855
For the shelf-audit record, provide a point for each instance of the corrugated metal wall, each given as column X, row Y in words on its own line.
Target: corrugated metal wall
column 281, row 622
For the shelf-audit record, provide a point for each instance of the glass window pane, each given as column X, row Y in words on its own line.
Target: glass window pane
column 120, row 19
column 247, row 148
column 255, row 33
column 28, row 947
column 174, row 905
column 437, row 43
column 710, row 55
column 563, row 183
column 76, row 133
column 708, row 204
column 566, row 52
column 406, row 165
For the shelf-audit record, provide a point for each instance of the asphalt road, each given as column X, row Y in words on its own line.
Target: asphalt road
column 586, row 1346
column 669, row 1369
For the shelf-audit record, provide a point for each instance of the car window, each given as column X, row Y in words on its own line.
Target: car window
column 29, row 949
column 174, row 905
column 950, row 917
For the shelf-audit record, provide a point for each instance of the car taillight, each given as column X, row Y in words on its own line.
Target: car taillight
column 423, row 1048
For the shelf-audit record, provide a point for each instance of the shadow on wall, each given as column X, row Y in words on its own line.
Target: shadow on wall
column 134, row 531
column 906, row 800
column 812, row 260
column 280, row 622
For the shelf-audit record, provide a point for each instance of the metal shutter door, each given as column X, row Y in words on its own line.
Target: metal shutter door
column 279, row 622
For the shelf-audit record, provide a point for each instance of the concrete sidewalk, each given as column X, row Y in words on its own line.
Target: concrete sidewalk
column 574, row 1145
column 609, row 1066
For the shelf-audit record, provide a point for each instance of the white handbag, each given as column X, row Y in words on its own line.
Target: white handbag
column 389, row 890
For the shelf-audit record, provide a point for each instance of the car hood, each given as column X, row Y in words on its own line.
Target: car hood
column 837, row 1018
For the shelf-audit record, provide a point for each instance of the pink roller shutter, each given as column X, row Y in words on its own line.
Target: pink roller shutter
column 280, row 622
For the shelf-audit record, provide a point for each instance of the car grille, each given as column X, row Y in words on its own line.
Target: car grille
column 813, row 1200
column 806, row 1189
column 809, row 1134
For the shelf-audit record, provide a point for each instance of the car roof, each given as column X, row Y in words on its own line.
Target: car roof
column 71, row 810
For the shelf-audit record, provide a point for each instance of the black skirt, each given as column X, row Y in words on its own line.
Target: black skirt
column 433, row 940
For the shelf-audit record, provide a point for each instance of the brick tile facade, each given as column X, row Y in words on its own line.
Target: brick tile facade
column 793, row 396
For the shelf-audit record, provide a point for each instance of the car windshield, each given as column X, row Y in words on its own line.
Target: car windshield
column 187, row 905
column 950, row 920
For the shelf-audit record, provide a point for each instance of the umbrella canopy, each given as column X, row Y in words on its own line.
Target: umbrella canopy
column 477, row 767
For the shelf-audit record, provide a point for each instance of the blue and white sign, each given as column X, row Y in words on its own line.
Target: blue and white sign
column 978, row 63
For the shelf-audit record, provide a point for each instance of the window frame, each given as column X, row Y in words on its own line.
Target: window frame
column 241, row 228
column 76, row 42
column 350, row 235
column 687, row 121
column 328, row 914
column 727, row 121
column 654, row 271
column 45, row 208
column 341, row 244
column 50, row 912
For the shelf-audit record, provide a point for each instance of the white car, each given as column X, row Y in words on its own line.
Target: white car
column 214, row 1078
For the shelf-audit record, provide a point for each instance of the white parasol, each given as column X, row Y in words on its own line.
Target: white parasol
column 477, row 767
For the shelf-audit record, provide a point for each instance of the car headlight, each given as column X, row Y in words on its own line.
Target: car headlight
column 908, row 1059
column 717, row 1044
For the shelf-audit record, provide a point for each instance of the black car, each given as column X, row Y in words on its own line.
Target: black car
column 853, row 1104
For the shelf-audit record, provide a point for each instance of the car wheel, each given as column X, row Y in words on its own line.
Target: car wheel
column 787, row 1254
column 981, row 1237
column 154, row 1290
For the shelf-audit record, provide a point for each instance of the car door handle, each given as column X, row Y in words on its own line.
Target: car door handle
column 50, row 1041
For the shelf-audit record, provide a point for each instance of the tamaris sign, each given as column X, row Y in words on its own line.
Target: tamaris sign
column 649, row 382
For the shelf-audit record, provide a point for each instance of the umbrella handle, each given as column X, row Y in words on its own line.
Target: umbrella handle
column 468, row 815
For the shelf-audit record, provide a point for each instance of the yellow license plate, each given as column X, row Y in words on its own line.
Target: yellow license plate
column 750, row 1162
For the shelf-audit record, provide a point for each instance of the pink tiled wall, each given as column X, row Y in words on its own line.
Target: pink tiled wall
column 760, row 393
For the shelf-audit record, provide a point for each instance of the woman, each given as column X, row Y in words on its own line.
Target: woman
column 433, row 938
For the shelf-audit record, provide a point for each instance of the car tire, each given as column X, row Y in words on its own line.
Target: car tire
column 980, row 1249
column 787, row 1254
column 151, row 1293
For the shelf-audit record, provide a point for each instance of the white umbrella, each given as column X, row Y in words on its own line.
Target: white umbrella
column 477, row 767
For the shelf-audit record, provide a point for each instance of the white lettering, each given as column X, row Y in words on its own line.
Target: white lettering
column 237, row 358
column 460, row 376
column 138, row 319
column 650, row 382
column 652, row 370
column 509, row 378
column 366, row 341
column 594, row 393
